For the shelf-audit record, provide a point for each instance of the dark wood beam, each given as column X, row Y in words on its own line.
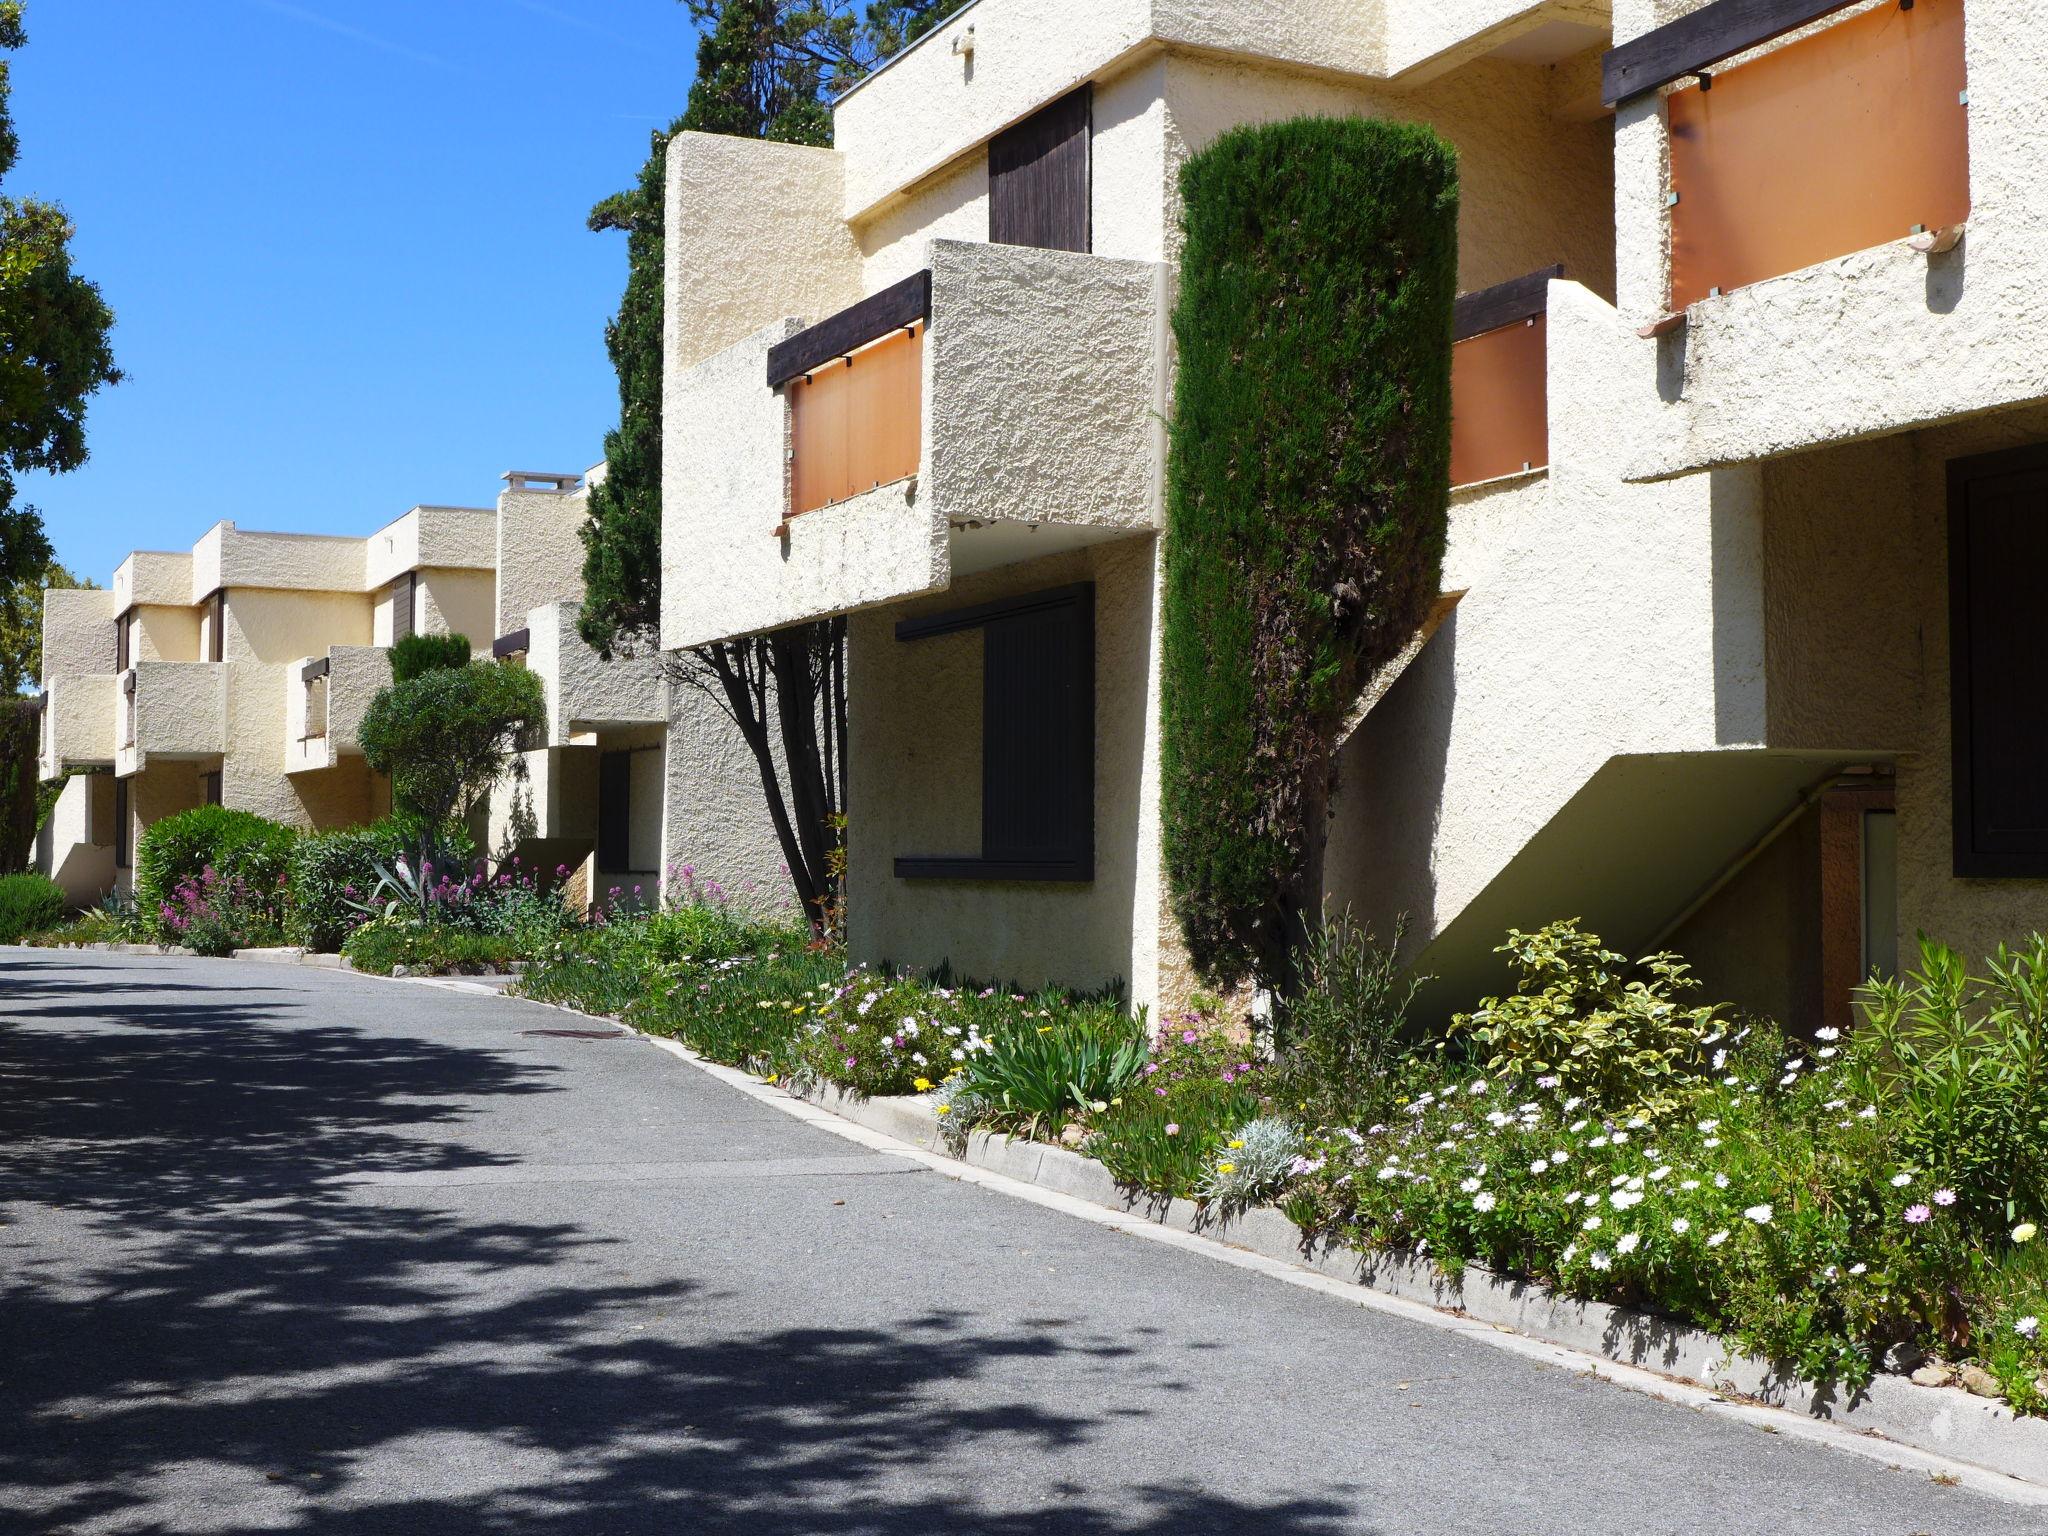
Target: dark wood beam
column 992, row 869
column 1488, row 309
column 315, row 669
column 901, row 304
column 1707, row 36
column 927, row 625
column 513, row 644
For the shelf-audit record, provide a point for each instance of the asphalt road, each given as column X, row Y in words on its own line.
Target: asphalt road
column 290, row 1251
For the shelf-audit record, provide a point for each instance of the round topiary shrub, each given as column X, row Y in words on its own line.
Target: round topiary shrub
column 1307, row 490
column 235, row 845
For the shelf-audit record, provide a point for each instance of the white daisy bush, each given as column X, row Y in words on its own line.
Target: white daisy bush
column 1804, row 1205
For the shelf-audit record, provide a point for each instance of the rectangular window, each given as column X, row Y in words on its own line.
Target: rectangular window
column 1038, row 737
column 120, row 824
column 122, row 647
column 1040, row 179
column 1843, row 140
column 212, row 787
column 216, row 626
column 1998, row 633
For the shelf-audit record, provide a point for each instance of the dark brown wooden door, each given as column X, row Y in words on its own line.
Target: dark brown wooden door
column 1040, row 179
column 1998, row 648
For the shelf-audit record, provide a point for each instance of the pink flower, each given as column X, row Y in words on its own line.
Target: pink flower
column 1944, row 1197
column 1172, row 1129
column 1189, row 1036
column 1916, row 1214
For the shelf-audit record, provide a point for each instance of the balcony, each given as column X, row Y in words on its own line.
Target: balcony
column 325, row 699
column 1500, row 423
column 1804, row 223
column 1005, row 404
column 584, row 692
column 170, row 709
column 79, row 718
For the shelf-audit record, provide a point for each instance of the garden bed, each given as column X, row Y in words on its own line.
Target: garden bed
column 1947, row 1420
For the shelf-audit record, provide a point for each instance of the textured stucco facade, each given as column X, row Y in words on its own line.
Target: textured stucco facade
column 1882, row 333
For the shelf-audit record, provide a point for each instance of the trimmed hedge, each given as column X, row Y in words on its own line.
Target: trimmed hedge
column 29, row 904
column 416, row 654
column 1307, row 489
column 233, row 844
column 331, row 870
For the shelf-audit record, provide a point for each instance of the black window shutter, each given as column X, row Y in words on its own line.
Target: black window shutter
column 614, row 811
column 120, row 823
column 1040, row 177
column 402, row 599
column 213, row 788
column 216, row 637
column 1998, row 642
column 1038, row 737
column 121, row 643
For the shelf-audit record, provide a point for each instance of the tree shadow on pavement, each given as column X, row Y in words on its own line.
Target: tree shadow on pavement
column 210, row 1336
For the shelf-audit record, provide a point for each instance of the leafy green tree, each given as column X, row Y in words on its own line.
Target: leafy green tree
column 54, row 353
column 21, row 624
column 764, row 70
column 423, row 653
column 447, row 735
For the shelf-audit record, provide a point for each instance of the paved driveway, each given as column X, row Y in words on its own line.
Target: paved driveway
column 304, row 1252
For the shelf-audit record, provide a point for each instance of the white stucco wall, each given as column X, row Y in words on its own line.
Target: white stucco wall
column 539, row 552
column 1046, row 385
column 459, row 602
column 164, row 634
column 153, row 576
column 1867, row 343
column 584, row 692
column 79, row 722
column 755, row 232
column 915, row 711
column 452, row 538
column 228, row 557
column 268, row 631
column 930, row 105
column 78, row 632
column 180, row 712
column 66, row 850
column 724, row 491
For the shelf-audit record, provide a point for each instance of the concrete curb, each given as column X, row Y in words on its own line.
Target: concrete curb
column 1944, row 1420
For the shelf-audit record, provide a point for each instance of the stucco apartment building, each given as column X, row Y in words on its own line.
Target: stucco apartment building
column 1739, row 643
column 238, row 673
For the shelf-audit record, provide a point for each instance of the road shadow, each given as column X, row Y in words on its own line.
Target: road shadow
column 208, row 1336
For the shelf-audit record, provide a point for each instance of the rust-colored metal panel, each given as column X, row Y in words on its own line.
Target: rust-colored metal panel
column 1838, row 142
column 1500, row 417
column 857, row 424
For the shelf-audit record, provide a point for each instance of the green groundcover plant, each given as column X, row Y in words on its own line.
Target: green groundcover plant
column 29, row 904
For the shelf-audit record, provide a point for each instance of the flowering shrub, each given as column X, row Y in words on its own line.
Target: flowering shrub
column 882, row 1035
column 211, row 914
column 1254, row 1165
column 1773, row 1209
column 1603, row 1025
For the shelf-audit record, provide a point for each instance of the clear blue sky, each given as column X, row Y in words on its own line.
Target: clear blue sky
column 344, row 241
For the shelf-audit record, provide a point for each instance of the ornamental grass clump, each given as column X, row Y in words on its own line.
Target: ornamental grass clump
column 1049, row 1061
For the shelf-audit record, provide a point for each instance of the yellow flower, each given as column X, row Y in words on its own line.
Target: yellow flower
column 1226, row 1167
column 1236, row 1146
column 922, row 1085
column 1045, row 1029
column 2024, row 1232
column 945, row 1109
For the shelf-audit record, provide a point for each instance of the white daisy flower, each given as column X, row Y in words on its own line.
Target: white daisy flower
column 1718, row 1239
column 1680, row 1225
column 1760, row 1214
column 1627, row 1244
